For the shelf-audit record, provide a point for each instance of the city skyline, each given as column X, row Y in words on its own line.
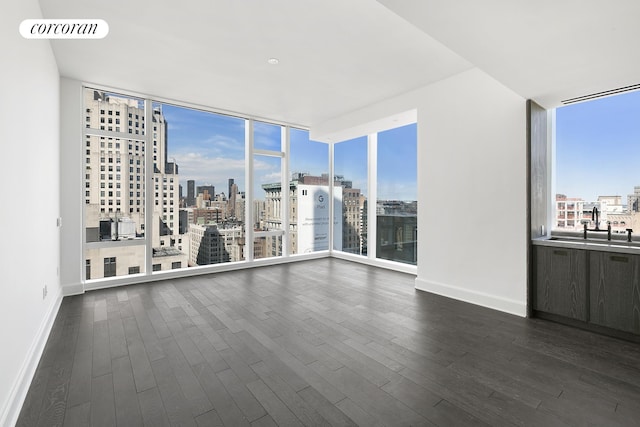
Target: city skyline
column 209, row 148
column 184, row 144
column 596, row 142
column 397, row 165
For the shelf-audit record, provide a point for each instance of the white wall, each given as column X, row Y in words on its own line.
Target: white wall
column 29, row 179
column 471, row 187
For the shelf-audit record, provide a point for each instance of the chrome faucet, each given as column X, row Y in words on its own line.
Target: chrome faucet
column 594, row 217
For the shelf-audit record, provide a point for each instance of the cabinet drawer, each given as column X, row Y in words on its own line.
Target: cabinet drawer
column 560, row 280
column 615, row 291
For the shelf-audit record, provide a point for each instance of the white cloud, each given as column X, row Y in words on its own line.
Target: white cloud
column 204, row 169
column 270, row 177
column 223, row 143
column 214, row 145
column 261, row 165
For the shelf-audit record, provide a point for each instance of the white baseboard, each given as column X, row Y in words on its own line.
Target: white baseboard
column 13, row 405
column 495, row 302
column 376, row 262
column 73, row 289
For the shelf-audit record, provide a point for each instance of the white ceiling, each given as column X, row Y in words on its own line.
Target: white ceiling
column 546, row 50
column 337, row 56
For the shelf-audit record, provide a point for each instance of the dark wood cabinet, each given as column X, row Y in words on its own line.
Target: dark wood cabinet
column 596, row 290
column 560, row 278
column 614, row 288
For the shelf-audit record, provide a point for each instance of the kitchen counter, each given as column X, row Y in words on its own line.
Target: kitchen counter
column 593, row 244
column 593, row 284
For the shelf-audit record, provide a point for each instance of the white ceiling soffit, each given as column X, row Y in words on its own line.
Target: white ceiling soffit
column 396, row 120
column 335, row 56
column 546, row 50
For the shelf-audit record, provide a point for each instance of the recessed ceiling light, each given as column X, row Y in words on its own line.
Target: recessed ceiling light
column 273, row 61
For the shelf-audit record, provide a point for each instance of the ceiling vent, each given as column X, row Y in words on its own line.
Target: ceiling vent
column 601, row 94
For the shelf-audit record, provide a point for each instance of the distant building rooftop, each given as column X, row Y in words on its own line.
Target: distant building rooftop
column 168, row 251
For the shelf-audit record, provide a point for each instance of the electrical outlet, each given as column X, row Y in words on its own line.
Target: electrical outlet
column 59, row 222
column 44, row 292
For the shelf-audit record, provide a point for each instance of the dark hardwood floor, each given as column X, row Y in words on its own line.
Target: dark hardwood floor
column 324, row 342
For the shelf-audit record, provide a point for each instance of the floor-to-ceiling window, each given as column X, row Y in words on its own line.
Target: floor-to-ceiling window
column 596, row 143
column 376, row 184
column 350, row 160
column 269, row 146
column 308, row 193
column 170, row 187
column 198, row 187
column 115, row 170
column 397, row 196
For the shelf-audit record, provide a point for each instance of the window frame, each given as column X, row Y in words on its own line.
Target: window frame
column 546, row 210
column 372, row 197
column 147, row 273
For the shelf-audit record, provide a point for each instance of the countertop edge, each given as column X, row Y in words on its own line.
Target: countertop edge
column 617, row 247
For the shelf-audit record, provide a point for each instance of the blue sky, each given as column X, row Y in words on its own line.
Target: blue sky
column 306, row 155
column 209, row 148
column 597, row 147
column 397, row 163
column 350, row 161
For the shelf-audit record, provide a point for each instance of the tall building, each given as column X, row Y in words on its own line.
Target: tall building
column 240, row 205
column 309, row 213
column 214, row 244
column 351, row 220
column 191, row 192
column 231, row 182
column 258, row 214
column 183, row 228
column 208, row 191
column 231, row 206
column 115, row 181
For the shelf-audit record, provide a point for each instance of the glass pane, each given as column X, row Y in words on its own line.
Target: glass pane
column 267, row 190
column 202, row 153
column 114, row 177
column 113, row 112
column 309, row 194
column 267, row 246
column 592, row 140
column 114, row 183
column 397, row 205
column 116, row 261
column 350, row 195
column 267, row 136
